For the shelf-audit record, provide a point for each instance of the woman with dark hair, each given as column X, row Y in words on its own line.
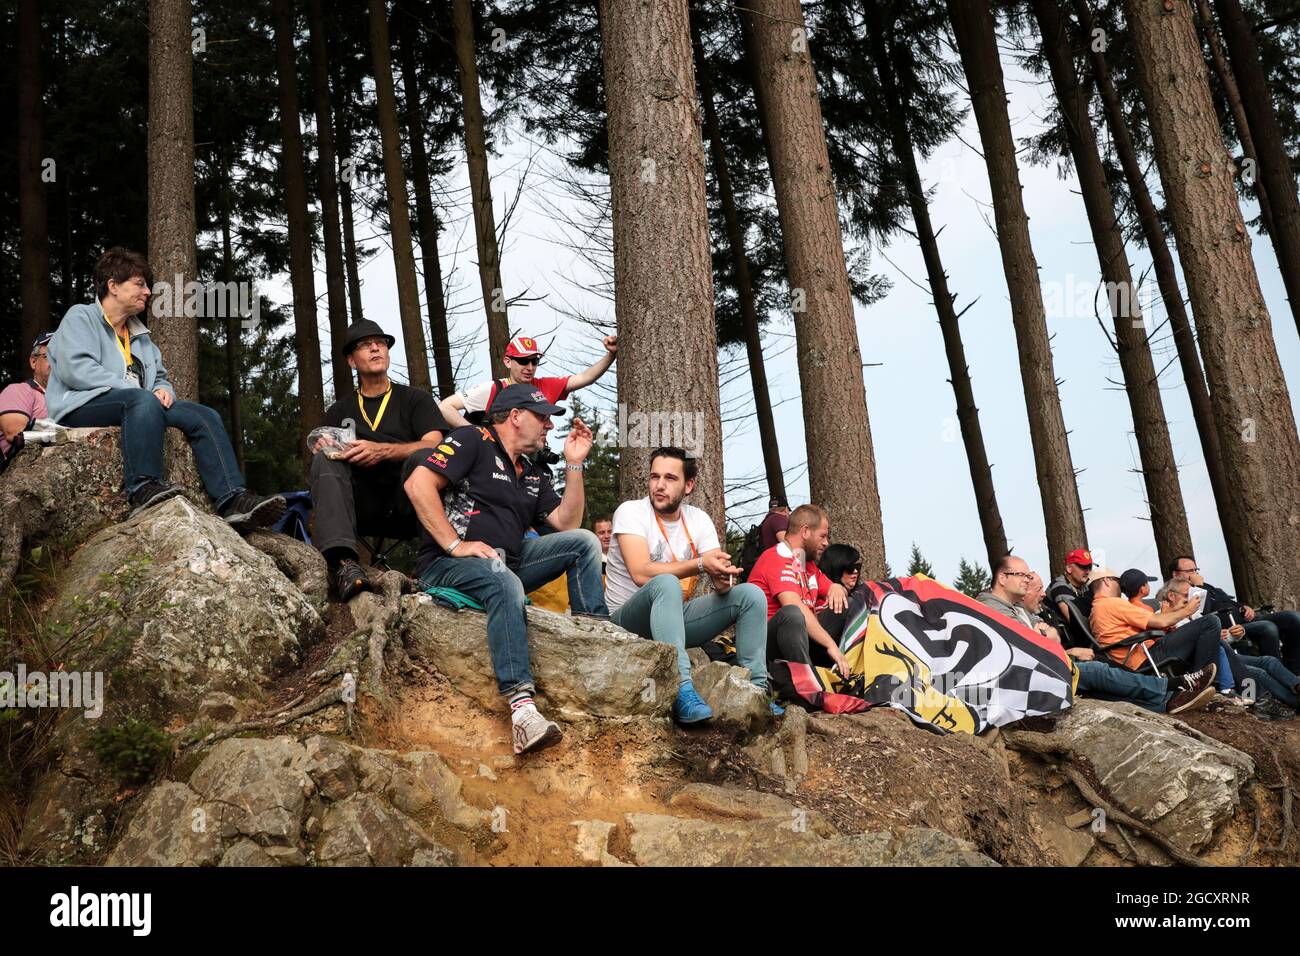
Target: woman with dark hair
column 105, row 370
column 842, row 565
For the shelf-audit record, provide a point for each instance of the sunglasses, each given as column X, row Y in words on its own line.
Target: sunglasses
column 531, row 360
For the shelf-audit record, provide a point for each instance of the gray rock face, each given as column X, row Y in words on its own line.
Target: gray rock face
column 1158, row 769
column 582, row 667
column 749, row 805
column 254, row 802
column 673, row 841
column 734, row 700
column 207, row 612
column 299, row 562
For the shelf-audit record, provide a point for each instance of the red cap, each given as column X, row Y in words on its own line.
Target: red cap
column 521, row 346
column 1079, row 556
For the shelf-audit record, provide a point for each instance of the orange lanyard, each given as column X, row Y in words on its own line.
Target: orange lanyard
column 694, row 579
column 123, row 347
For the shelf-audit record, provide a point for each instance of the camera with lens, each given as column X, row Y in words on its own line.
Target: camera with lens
column 545, row 456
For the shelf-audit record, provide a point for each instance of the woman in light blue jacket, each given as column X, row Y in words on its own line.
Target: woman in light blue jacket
column 105, row 370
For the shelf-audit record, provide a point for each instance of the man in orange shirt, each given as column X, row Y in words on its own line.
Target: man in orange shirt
column 1117, row 618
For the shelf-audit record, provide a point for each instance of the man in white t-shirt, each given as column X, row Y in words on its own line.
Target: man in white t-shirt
column 660, row 550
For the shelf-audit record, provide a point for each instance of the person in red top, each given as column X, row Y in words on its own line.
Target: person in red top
column 795, row 589
column 521, row 360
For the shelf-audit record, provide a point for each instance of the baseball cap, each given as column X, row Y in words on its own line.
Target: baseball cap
column 524, row 396
column 1080, row 556
column 42, row 340
column 1131, row 581
column 778, row 501
column 1098, row 573
column 521, row 346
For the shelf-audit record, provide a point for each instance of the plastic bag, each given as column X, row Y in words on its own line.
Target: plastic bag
column 331, row 440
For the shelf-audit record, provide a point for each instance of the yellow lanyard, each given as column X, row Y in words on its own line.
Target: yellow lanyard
column 379, row 416
column 123, row 347
column 688, row 584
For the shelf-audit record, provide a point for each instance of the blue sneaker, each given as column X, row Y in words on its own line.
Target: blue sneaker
column 690, row 708
column 777, row 709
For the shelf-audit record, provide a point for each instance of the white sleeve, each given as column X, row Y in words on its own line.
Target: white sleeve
column 629, row 520
column 476, row 398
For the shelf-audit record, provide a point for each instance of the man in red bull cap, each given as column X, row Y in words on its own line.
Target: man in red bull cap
column 1073, row 583
column 522, row 357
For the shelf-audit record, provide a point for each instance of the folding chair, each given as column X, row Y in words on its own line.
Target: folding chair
column 1136, row 644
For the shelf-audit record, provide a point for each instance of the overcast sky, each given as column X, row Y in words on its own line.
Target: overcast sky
column 924, row 481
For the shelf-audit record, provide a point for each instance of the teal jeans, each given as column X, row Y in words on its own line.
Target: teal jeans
column 656, row 611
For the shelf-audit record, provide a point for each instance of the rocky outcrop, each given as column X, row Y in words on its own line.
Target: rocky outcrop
column 1157, row 769
column 200, row 608
column 254, row 802
column 583, row 667
column 734, row 700
column 66, row 492
column 658, row 840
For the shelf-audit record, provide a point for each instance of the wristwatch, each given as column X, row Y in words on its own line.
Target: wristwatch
column 453, row 546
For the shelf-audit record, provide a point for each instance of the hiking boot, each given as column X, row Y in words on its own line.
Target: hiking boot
column 1193, row 691
column 532, row 731
column 1270, row 708
column 246, row 511
column 350, row 579
column 152, row 493
column 689, row 707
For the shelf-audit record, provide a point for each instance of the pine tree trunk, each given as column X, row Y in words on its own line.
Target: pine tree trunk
column 408, row 292
column 1233, row 94
column 345, row 213
column 898, row 103
column 233, row 344
column 327, row 185
column 33, row 214
column 1155, row 449
column 744, row 281
column 1274, row 170
column 972, row 23
column 480, row 184
column 663, row 273
column 1257, row 431
column 841, row 460
column 1171, row 294
column 172, row 252
column 426, row 220
column 302, row 275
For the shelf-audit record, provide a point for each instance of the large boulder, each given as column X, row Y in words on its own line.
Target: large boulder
column 201, row 610
column 658, row 840
column 735, row 701
column 583, row 667
column 1180, row 782
column 255, row 802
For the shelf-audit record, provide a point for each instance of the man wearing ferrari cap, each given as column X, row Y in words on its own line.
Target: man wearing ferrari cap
column 522, row 357
column 1073, row 583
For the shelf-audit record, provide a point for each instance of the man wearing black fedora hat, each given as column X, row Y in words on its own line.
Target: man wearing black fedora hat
column 361, row 487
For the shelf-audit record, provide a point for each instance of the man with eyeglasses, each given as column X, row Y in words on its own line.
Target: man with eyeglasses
column 521, row 359
column 1275, row 635
column 1073, row 583
column 22, row 403
column 1011, row 580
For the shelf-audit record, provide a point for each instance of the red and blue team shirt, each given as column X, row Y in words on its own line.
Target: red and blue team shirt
column 486, row 499
column 776, row 571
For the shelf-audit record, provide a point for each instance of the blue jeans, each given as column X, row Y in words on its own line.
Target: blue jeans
column 1277, row 635
column 143, row 421
column 1119, row 683
column 656, row 611
column 501, row 591
column 1271, row 677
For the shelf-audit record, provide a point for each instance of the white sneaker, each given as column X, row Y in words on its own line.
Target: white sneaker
column 531, row 730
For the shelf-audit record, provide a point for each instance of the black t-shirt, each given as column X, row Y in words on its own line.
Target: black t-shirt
column 485, row 499
column 410, row 415
column 1061, row 589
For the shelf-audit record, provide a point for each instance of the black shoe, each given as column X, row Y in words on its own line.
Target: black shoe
column 246, row 511
column 152, row 493
column 350, row 580
column 1270, row 708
